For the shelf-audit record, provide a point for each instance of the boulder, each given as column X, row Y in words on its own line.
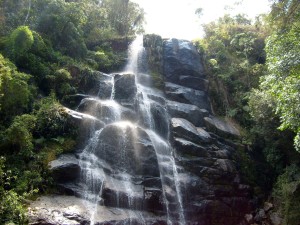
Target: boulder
column 89, row 82
column 105, row 87
column 225, row 165
column 186, row 95
column 72, row 101
column 144, row 79
column 187, row 111
column 203, row 133
column 65, row 168
column 62, row 210
column 182, row 128
column 180, row 57
column 193, row 187
column 126, row 147
column 85, row 123
column 125, row 89
column 221, row 127
column 184, row 147
column 193, row 82
column 122, row 193
column 160, row 119
column 107, row 111
column 275, row 218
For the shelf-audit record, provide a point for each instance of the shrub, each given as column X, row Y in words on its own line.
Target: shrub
column 19, row 134
column 11, row 207
column 20, row 41
column 287, row 194
column 52, row 118
column 14, row 90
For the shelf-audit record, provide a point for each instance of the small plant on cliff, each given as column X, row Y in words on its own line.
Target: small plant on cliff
column 11, row 208
column 287, row 194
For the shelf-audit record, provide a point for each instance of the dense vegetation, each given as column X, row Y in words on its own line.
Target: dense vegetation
column 47, row 48
column 254, row 73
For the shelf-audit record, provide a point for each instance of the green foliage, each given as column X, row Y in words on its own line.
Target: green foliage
column 11, row 208
column 14, row 90
column 275, row 103
column 283, row 81
column 234, row 54
column 125, row 17
column 51, row 118
column 287, row 194
column 51, row 148
column 19, row 134
column 285, row 14
column 19, row 42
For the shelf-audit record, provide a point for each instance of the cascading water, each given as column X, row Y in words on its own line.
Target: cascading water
column 121, row 154
column 145, row 153
column 163, row 149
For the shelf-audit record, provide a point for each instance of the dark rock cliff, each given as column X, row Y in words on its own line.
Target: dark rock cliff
column 169, row 161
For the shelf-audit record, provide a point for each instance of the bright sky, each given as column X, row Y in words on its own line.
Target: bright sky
column 176, row 18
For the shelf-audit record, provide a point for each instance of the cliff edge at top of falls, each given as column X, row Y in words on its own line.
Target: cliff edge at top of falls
column 196, row 173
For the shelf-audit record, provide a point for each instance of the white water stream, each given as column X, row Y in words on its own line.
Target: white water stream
column 94, row 176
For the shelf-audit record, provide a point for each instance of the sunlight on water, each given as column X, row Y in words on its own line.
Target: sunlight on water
column 135, row 48
column 112, row 159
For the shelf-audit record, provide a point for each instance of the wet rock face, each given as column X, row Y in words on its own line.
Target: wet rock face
column 117, row 144
column 186, row 95
column 189, row 112
column 133, row 153
column 125, row 88
column 181, row 58
column 69, row 210
column 65, row 169
column 208, row 174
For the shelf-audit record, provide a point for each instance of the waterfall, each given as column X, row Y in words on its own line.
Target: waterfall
column 162, row 147
column 121, row 155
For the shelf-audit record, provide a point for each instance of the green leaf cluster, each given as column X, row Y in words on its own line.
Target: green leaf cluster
column 233, row 49
column 287, row 194
column 20, row 41
column 14, row 90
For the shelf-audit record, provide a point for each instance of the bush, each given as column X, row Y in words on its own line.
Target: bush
column 14, row 90
column 19, row 134
column 19, row 42
column 11, row 208
column 52, row 118
column 287, row 194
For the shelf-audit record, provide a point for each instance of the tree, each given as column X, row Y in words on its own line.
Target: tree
column 19, row 42
column 283, row 82
column 283, row 61
column 125, row 17
column 285, row 14
column 234, row 52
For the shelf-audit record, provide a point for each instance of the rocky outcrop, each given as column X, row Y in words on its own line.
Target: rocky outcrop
column 122, row 141
column 221, row 127
column 151, row 150
column 63, row 210
column 180, row 58
column 192, row 113
column 125, row 88
column 209, row 176
column 186, row 95
column 182, row 128
column 65, row 169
